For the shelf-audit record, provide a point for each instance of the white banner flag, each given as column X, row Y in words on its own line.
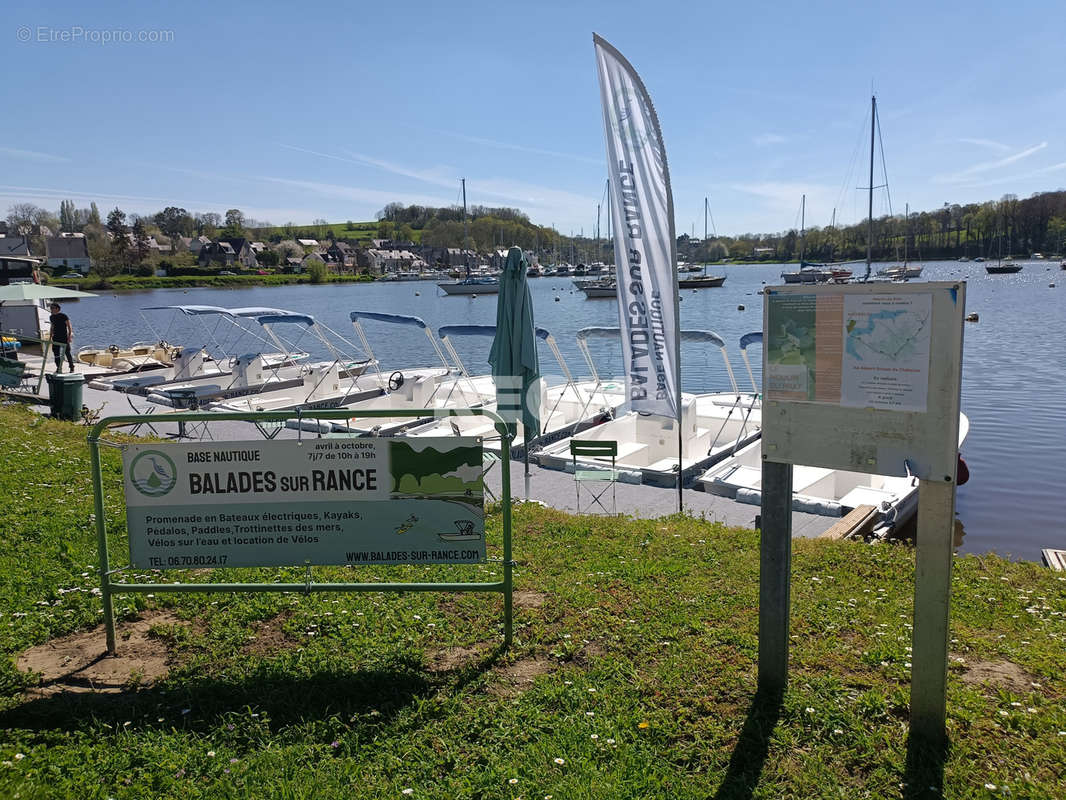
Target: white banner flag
column 642, row 209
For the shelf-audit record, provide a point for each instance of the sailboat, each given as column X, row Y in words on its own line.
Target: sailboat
column 904, row 271
column 809, row 273
column 471, row 285
column 703, row 281
column 1003, row 266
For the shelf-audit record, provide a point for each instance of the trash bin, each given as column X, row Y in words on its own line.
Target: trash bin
column 64, row 395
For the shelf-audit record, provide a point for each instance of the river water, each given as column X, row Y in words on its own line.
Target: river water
column 1014, row 370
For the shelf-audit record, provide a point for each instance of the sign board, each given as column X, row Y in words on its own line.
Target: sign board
column 864, row 377
column 404, row 500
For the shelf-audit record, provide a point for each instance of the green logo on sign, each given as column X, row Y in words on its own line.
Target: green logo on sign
column 153, row 474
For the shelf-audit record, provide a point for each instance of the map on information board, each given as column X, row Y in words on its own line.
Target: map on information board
column 859, row 350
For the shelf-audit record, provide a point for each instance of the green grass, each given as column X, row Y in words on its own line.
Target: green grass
column 634, row 662
column 121, row 282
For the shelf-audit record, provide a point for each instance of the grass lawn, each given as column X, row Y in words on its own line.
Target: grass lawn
column 632, row 674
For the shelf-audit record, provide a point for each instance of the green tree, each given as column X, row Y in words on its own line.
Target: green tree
column 175, row 222
column 67, row 212
column 316, row 268
column 234, row 223
column 94, row 214
column 140, row 249
column 385, row 229
column 120, row 244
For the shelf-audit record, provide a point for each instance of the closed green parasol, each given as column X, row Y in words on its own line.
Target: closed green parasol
column 513, row 358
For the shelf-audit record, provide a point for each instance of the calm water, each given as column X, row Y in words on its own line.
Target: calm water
column 1014, row 373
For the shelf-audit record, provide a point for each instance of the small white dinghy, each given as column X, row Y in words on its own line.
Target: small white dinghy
column 817, row 490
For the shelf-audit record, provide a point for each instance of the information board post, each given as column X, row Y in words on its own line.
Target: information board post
column 866, row 378
column 775, row 572
column 932, row 596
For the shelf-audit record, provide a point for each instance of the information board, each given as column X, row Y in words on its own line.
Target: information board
column 864, row 377
column 416, row 500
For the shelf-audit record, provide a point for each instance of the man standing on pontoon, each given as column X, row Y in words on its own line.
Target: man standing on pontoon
column 62, row 335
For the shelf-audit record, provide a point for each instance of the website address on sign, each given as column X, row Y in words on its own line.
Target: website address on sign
column 374, row 556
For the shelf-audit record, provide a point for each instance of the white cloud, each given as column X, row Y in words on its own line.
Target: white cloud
column 374, row 197
column 988, row 166
column 987, row 143
column 520, row 147
column 31, row 155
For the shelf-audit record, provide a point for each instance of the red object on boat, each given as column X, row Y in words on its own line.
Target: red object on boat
column 962, row 474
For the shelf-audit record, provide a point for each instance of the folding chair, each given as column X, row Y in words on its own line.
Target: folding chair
column 15, row 376
column 595, row 473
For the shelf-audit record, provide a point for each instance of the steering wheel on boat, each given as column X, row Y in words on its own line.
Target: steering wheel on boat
column 395, row 381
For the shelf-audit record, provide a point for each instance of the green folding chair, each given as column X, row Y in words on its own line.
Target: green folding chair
column 592, row 474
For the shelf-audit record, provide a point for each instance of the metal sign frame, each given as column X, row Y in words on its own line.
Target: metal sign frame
column 110, row 587
column 879, row 442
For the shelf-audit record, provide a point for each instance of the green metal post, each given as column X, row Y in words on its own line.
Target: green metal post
column 101, row 539
column 508, row 569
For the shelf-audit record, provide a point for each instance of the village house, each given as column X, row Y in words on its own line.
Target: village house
column 307, row 242
column 388, row 261
column 342, row 254
column 194, row 243
column 68, row 253
column 230, row 252
column 14, row 246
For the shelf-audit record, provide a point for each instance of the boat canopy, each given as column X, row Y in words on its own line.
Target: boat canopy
column 750, row 338
column 690, row 335
column 300, row 319
column 399, row 319
column 192, row 310
column 466, row 330
column 598, row 333
column 257, row 311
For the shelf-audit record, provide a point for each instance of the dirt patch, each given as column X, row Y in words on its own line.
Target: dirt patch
column 79, row 662
column 528, row 599
column 1005, row 674
column 269, row 637
column 517, row 677
column 453, row 658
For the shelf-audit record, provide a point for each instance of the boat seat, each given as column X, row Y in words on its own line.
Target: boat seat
column 744, row 478
column 127, row 384
column 628, row 449
column 866, row 496
column 663, row 465
column 805, row 477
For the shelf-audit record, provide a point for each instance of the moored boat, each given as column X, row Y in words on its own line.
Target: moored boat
column 472, row 285
column 606, row 287
column 701, row 282
column 823, row 491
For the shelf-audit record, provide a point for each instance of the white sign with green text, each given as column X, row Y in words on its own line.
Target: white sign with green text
column 321, row 501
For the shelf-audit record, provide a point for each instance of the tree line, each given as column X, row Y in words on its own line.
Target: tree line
column 1008, row 226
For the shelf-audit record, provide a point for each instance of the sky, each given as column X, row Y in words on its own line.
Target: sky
column 295, row 112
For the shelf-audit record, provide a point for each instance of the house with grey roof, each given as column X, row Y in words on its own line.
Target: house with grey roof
column 228, row 252
column 68, row 253
column 14, row 246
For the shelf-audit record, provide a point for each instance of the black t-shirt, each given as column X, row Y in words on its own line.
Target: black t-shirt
column 59, row 327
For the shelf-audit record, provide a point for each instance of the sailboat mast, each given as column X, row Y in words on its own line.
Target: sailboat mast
column 870, row 209
column 706, row 206
column 466, row 257
column 906, row 228
column 803, row 225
